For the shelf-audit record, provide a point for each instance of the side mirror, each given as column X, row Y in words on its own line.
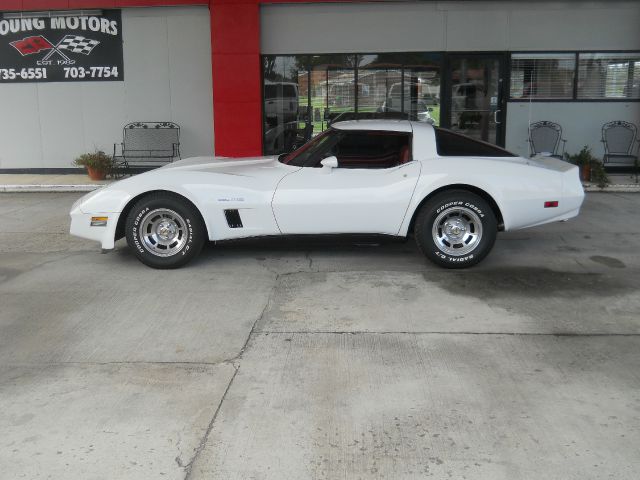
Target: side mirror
column 329, row 164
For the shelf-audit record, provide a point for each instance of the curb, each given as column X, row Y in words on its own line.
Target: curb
column 629, row 188
column 48, row 188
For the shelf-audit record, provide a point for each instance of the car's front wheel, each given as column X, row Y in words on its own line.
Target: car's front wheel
column 456, row 229
column 165, row 231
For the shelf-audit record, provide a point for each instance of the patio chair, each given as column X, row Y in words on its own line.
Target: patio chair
column 545, row 137
column 620, row 141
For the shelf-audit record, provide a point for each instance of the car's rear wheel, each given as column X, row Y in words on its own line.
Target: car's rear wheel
column 456, row 229
column 165, row 230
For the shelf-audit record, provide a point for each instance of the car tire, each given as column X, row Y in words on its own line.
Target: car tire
column 456, row 229
column 165, row 230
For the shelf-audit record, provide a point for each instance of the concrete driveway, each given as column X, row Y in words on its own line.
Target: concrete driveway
column 290, row 359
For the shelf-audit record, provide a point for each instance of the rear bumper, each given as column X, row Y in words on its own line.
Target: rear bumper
column 561, row 184
column 81, row 227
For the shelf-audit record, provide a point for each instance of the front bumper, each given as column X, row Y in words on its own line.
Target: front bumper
column 81, row 227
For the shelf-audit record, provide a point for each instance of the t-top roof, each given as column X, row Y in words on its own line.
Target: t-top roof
column 386, row 125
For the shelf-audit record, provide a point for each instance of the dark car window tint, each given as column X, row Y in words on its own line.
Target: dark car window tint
column 451, row 144
column 372, row 149
column 354, row 149
column 311, row 153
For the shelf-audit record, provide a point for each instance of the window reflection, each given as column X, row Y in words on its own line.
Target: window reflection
column 304, row 94
column 407, row 83
column 284, row 103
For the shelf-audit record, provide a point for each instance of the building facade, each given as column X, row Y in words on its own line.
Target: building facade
column 248, row 77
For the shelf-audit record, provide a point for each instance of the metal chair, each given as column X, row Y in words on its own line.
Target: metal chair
column 545, row 137
column 620, row 139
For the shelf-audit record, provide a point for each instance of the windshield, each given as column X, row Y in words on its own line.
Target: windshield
column 310, row 154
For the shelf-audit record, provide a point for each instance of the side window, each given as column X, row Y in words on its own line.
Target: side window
column 310, row 154
column 451, row 144
column 373, row 149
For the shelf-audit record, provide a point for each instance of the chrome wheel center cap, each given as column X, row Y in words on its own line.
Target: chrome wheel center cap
column 166, row 230
column 455, row 229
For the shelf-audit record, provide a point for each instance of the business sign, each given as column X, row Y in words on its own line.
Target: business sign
column 62, row 49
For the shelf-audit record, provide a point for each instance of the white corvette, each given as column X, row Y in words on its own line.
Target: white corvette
column 369, row 176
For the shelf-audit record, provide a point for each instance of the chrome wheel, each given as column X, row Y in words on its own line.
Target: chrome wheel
column 457, row 231
column 163, row 232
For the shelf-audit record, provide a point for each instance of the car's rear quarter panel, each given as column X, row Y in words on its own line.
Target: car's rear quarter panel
column 518, row 189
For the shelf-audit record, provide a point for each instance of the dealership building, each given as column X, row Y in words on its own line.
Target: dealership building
column 253, row 77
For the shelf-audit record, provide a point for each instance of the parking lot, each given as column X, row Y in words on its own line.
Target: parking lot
column 321, row 359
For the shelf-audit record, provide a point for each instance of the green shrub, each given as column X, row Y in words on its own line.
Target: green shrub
column 98, row 160
column 583, row 157
column 598, row 175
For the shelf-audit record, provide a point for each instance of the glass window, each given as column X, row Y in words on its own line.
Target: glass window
column 285, row 101
column 354, row 149
column 379, row 83
column 314, row 151
column 542, row 75
column 609, row 75
column 451, row 144
column 333, row 83
column 304, row 94
column 372, row 149
column 407, row 83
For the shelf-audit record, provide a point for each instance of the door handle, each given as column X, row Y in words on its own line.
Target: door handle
column 495, row 117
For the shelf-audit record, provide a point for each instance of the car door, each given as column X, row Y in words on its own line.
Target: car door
column 368, row 192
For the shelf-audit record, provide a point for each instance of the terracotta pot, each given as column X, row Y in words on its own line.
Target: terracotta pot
column 585, row 173
column 96, row 174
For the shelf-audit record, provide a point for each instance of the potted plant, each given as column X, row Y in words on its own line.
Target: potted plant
column 97, row 163
column 585, row 161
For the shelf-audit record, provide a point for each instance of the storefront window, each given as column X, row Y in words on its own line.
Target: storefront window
column 285, row 101
column 304, row 94
column 379, row 83
column 332, row 88
column 407, row 83
column 542, row 75
column 608, row 75
column 422, row 74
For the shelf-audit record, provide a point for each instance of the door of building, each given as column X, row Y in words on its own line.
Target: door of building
column 474, row 96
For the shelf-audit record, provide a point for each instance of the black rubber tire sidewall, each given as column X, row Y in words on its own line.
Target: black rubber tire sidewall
column 430, row 210
column 196, row 231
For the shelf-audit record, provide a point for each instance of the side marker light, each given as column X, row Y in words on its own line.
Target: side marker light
column 99, row 221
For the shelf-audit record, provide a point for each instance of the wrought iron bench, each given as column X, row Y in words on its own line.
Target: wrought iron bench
column 146, row 145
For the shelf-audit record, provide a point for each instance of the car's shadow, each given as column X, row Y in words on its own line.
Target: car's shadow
column 304, row 243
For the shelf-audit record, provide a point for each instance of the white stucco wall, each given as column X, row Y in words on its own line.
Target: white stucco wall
column 433, row 26
column 581, row 122
column 167, row 68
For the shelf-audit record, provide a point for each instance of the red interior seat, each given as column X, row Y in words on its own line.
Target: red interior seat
column 404, row 155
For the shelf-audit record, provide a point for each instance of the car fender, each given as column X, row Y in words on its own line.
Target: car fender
column 517, row 188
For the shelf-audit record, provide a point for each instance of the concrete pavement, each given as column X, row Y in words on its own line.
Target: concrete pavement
column 292, row 359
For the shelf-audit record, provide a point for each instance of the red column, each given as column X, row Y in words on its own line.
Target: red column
column 235, row 60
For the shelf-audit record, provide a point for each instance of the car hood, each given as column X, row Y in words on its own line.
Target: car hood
column 250, row 167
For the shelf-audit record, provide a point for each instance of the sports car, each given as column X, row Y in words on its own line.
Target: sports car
column 397, row 178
